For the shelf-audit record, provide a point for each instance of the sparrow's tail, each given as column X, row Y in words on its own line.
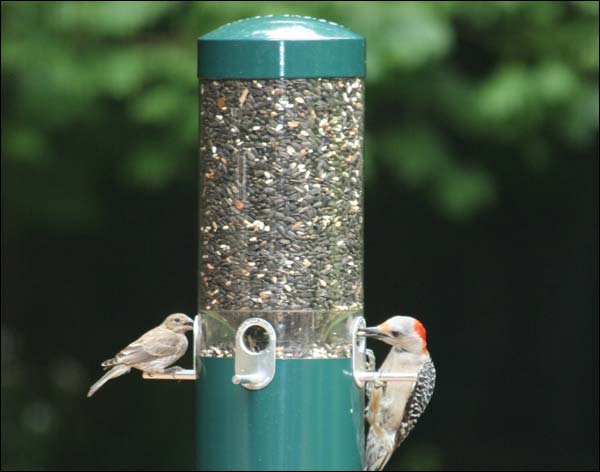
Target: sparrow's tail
column 116, row 371
column 107, row 364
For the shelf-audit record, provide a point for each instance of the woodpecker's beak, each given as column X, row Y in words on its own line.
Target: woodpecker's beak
column 372, row 332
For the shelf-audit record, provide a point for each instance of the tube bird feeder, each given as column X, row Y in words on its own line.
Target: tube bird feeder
column 280, row 245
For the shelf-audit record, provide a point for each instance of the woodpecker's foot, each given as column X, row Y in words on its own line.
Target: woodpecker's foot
column 370, row 360
column 373, row 384
column 378, row 384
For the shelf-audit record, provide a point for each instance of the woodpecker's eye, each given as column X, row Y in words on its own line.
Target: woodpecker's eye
column 395, row 333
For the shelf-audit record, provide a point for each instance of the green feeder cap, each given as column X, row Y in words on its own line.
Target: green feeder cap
column 288, row 46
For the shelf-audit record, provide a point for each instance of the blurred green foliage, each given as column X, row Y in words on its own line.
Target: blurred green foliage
column 96, row 89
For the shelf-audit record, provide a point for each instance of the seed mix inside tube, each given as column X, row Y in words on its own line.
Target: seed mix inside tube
column 281, row 199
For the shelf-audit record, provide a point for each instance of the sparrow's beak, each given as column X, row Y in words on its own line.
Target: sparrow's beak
column 190, row 324
column 372, row 332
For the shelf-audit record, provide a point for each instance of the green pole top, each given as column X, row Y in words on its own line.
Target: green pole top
column 273, row 47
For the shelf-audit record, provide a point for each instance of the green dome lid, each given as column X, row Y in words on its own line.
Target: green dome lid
column 288, row 46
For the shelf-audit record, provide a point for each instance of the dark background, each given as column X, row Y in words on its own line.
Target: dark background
column 481, row 219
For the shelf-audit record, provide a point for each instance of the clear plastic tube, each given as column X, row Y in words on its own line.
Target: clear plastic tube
column 281, row 212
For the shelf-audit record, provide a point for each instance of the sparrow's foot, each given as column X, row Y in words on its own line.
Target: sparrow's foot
column 172, row 370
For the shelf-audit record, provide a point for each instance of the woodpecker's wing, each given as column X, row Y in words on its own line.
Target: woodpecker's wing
column 418, row 400
column 158, row 342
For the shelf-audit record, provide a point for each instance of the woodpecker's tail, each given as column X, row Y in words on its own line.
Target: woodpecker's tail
column 379, row 449
column 116, row 371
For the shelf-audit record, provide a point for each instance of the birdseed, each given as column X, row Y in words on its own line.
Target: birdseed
column 281, row 197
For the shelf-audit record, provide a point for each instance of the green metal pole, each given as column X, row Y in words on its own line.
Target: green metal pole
column 281, row 118
column 308, row 418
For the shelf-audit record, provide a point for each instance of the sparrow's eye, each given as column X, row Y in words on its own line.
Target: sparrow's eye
column 177, row 320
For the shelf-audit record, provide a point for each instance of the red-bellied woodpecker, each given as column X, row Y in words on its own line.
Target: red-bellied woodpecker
column 395, row 407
